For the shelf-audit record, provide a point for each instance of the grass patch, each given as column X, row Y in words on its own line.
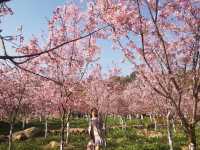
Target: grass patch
column 117, row 138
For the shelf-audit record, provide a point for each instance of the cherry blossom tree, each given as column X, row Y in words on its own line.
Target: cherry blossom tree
column 103, row 93
column 15, row 92
column 161, row 38
column 143, row 99
column 64, row 58
column 29, row 52
column 43, row 101
column 66, row 65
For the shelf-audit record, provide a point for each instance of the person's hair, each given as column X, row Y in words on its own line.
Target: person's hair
column 95, row 112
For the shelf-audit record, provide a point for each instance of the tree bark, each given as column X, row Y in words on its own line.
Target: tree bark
column 150, row 116
column 27, row 120
column 174, row 125
column 137, row 116
column 10, row 137
column 67, row 137
column 68, row 127
column 192, row 139
column 155, row 123
column 130, row 117
column 23, row 122
column 169, row 131
column 46, row 128
column 40, row 118
column 114, row 116
column 141, row 117
column 122, row 122
column 62, row 132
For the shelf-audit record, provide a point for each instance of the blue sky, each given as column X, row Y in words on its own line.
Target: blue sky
column 33, row 14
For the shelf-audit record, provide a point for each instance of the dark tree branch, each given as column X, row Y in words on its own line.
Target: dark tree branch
column 35, row 55
column 3, row 1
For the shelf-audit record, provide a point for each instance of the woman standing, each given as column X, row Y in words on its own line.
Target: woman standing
column 95, row 131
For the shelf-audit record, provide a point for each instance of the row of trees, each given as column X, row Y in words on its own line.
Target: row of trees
column 160, row 39
column 25, row 97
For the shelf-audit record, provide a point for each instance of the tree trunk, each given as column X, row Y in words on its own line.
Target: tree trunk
column 150, row 116
column 10, row 137
column 40, row 118
column 68, row 127
column 122, row 122
column 174, row 125
column 155, row 123
column 62, row 133
column 181, row 123
column 130, row 117
column 27, row 120
column 169, row 131
column 87, row 117
column 46, row 128
column 192, row 139
column 23, row 122
column 67, row 138
column 137, row 116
